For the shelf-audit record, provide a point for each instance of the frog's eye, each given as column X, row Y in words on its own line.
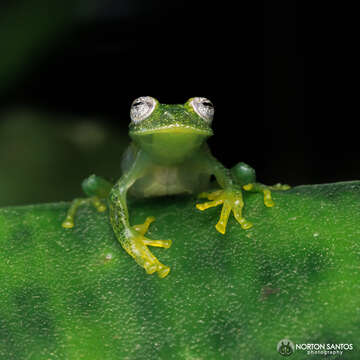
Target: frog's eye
column 203, row 107
column 141, row 108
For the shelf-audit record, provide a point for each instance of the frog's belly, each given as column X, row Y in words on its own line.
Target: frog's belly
column 168, row 181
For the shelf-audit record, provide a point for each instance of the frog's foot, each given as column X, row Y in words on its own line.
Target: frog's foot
column 279, row 187
column 266, row 191
column 137, row 247
column 143, row 228
column 232, row 200
column 68, row 223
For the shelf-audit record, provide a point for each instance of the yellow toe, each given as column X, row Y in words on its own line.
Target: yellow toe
column 246, row 224
column 163, row 271
column 248, row 187
column 68, row 224
column 220, row 227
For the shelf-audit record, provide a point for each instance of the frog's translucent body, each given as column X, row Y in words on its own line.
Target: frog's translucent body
column 169, row 155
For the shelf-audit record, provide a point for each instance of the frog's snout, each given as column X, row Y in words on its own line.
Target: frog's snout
column 169, row 116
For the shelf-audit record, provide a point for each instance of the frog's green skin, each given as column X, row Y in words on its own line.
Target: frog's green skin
column 169, row 155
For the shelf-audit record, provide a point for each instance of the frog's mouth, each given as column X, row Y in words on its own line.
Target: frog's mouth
column 174, row 129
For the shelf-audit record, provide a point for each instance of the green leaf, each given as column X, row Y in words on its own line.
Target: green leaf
column 75, row 293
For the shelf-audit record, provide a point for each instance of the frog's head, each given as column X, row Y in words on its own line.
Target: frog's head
column 170, row 133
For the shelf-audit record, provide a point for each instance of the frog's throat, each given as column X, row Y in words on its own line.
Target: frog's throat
column 170, row 145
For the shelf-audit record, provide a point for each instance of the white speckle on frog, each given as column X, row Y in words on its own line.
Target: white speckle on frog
column 108, row 256
column 166, row 113
column 316, row 234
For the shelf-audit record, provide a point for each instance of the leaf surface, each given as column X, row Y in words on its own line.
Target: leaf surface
column 75, row 293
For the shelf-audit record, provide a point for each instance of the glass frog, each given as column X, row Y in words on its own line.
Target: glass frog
column 169, row 155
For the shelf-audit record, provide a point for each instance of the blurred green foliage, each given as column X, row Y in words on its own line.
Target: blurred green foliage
column 27, row 29
column 44, row 159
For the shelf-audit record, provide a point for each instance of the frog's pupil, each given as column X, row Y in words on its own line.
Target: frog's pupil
column 208, row 104
column 137, row 103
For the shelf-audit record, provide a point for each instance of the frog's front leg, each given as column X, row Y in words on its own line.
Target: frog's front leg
column 132, row 238
column 97, row 189
column 231, row 199
column 230, row 196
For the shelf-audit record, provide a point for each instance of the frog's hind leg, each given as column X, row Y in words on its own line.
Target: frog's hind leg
column 68, row 223
column 266, row 191
column 97, row 189
column 246, row 177
column 243, row 173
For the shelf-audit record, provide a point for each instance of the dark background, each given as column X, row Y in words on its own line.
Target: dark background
column 92, row 58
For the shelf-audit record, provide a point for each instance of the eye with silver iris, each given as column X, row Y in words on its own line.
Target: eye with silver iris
column 141, row 108
column 204, row 108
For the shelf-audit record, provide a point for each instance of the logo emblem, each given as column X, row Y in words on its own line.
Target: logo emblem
column 285, row 347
